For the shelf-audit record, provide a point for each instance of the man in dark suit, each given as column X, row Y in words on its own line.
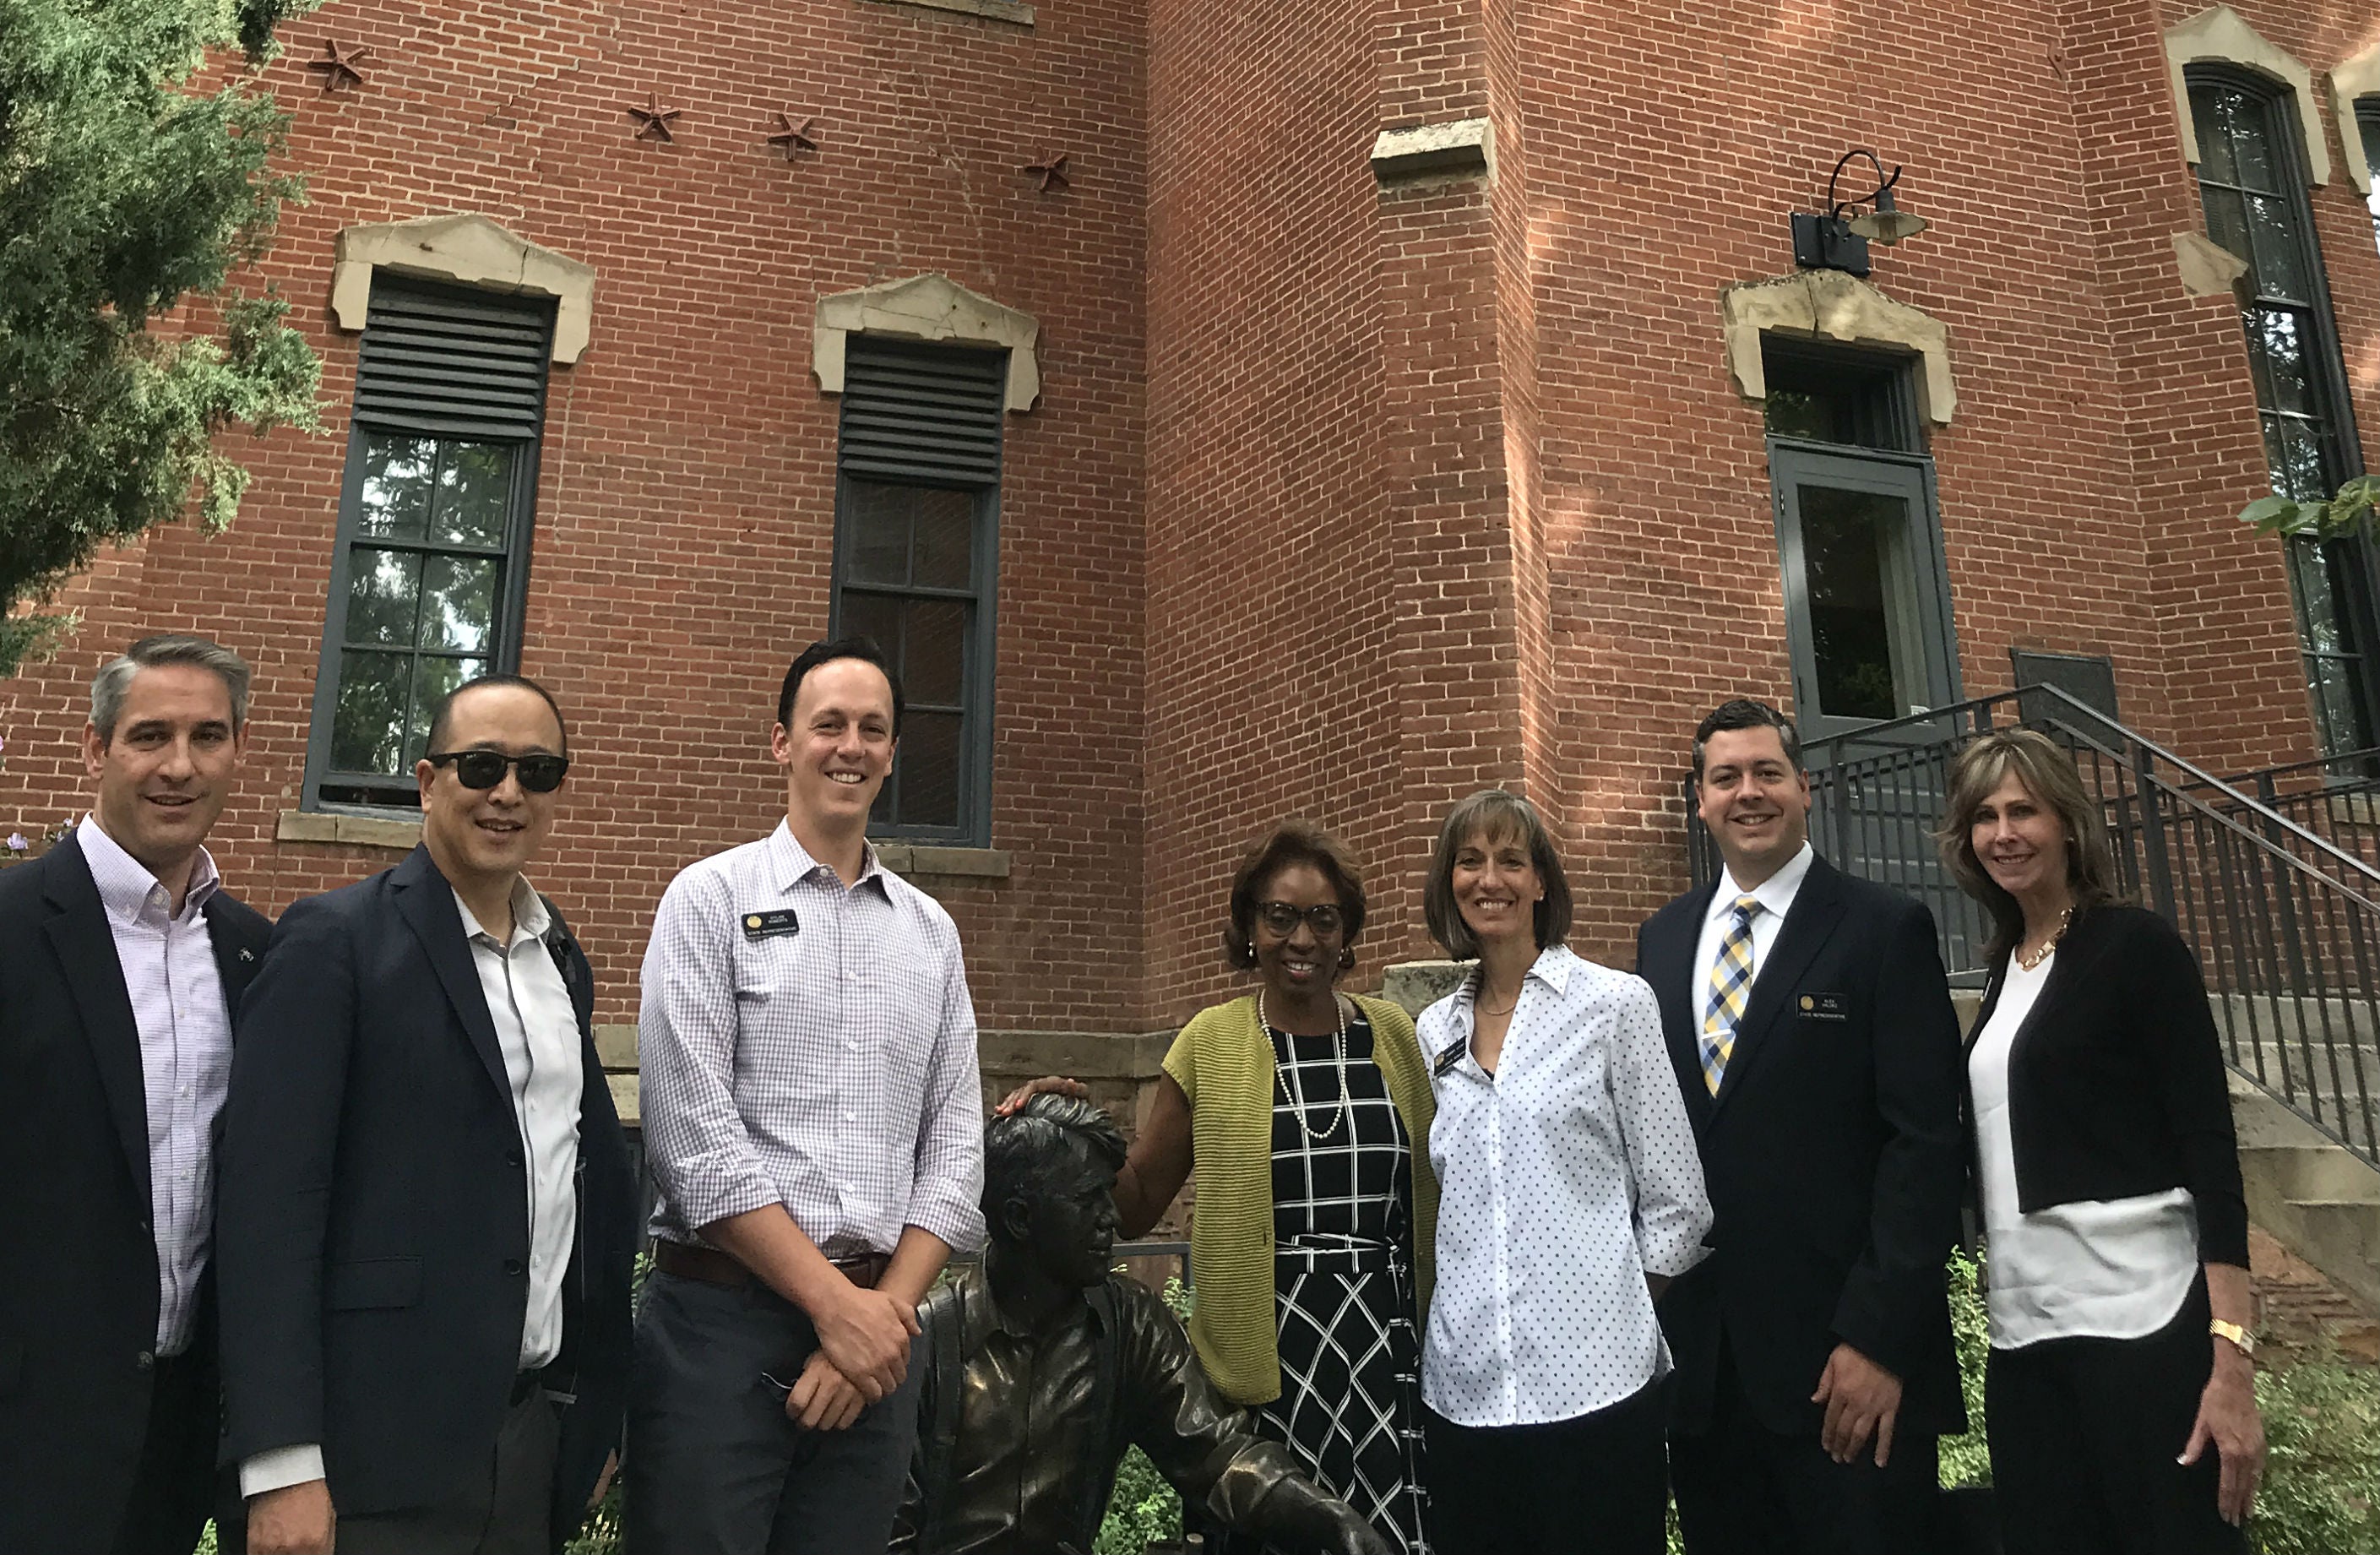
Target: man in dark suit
column 427, row 1218
column 125, row 960
column 1812, row 1031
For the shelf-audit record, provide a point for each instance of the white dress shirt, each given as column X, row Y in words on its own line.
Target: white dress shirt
column 2109, row 1268
column 177, row 1006
column 809, row 1043
column 536, row 1030
column 1563, row 1179
column 1775, row 895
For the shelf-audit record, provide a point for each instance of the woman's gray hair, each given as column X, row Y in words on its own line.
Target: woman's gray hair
column 114, row 677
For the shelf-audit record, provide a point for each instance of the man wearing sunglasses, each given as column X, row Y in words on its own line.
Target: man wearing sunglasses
column 427, row 1213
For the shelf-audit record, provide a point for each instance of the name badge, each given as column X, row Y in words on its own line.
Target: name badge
column 1822, row 1006
column 768, row 924
column 1449, row 1058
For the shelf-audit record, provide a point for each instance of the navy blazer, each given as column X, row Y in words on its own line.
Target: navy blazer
column 2116, row 1082
column 1832, row 1155
column 374, row 1228
column 78, row 1301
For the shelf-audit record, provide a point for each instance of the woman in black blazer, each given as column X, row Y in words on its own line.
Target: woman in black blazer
column 2116, row 1229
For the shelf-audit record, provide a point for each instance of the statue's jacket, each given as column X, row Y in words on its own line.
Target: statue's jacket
column 1019, row 1433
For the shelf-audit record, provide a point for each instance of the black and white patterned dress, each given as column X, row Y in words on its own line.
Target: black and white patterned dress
column 1350, row 1403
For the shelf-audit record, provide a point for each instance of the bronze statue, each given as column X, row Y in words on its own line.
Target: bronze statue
column 1041, row 1367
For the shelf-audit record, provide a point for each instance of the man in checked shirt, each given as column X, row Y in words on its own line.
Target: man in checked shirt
column 813, row 1118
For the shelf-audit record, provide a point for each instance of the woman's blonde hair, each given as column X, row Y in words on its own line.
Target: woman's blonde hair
column 2048, row 774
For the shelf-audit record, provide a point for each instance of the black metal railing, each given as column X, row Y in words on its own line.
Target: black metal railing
column 2336, row 797
column 2284, row 914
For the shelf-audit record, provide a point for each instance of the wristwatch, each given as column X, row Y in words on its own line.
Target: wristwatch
column 2241, row 1340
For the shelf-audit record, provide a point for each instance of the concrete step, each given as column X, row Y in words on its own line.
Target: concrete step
column 2315, row 1197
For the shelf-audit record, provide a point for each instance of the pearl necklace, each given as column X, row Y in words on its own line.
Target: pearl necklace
column 1338, row 1052
column 2037, row 957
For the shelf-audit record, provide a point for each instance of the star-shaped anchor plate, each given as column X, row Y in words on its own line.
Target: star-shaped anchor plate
column 652, row 119
column 1052, row 171
column 341, row 71
column 794, row 137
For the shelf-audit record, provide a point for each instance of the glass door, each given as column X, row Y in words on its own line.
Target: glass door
column 1866, row 592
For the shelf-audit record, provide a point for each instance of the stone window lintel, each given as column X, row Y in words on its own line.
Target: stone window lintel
column 927, row 308
column 1830, row 305
column 469, row 251
column 2219, row 36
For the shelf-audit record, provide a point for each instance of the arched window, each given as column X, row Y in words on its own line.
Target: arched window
column 2252, row 180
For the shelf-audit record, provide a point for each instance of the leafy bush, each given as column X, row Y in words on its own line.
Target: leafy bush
column 1966, row 1459
column 1142, row 1508
column 2322, row 1477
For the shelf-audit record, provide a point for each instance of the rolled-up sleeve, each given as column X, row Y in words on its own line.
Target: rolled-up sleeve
column 696, row 1142
column 1674, row 1212
column 947, row 1185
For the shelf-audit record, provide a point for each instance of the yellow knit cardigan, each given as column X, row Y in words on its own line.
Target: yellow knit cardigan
column 1224, row 1066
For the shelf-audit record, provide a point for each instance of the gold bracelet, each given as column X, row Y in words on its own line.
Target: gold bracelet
column 2241, row 1340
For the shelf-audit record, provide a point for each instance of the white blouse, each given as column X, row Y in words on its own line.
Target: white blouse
column 1563, row 1179
column 2108, row 1268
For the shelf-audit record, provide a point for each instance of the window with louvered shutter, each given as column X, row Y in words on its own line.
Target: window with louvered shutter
column 433, row 529
column 916, row 516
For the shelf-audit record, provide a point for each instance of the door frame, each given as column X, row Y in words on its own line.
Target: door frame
column 1933, row 630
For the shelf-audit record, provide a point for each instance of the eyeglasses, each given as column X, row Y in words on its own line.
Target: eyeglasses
column 540, row 774
column 1283, row 919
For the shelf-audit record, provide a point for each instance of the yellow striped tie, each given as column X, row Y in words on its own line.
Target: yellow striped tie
column 1731, row 989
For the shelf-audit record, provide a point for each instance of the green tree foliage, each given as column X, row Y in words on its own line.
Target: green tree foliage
column 2354, row 509
column 124, row 190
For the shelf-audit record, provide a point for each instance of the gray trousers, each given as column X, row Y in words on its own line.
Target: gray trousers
column 508, row 1513
column 715, row 1466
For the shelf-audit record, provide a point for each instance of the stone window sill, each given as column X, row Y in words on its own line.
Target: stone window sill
column 355, row 831
column 996, row 11
column 919, row 858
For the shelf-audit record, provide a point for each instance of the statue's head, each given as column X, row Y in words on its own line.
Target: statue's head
column 1049, row 1186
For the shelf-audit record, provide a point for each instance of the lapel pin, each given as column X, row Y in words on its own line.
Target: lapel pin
column 247, row 954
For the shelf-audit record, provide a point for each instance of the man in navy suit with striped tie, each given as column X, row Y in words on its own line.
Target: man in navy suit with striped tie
column 1811, row 1027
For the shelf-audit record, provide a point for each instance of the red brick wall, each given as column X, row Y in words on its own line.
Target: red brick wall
column 685, row 505
column 1342, row 499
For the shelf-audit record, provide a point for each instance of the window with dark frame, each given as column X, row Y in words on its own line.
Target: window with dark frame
column 2367, row 129
column 916, row 519
column 429, row 579
column 2253, row 181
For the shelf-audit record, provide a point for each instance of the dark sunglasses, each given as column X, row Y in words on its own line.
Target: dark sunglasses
column 1283, row 919
column 485, row 768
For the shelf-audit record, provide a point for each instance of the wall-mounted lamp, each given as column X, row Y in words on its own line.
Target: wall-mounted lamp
column 1833, row 241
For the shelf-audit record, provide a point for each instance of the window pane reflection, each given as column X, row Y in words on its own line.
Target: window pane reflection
column 423, row 591
column 1844, row 541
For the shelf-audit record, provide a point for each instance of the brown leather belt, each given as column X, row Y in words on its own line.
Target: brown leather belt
column 715, row 1268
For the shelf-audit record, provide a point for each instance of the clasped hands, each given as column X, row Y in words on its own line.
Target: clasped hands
column 863, row 1355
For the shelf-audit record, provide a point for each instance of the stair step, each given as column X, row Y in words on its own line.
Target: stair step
column 2310, row 1173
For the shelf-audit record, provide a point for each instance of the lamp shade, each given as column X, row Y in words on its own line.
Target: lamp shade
column 1887, row 223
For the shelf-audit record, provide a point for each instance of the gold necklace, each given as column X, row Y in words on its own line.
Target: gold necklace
column 2029, row 962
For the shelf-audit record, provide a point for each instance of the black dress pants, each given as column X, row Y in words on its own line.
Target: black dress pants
column 1582, row 1487
column 2084, row 1433
column 174, row 1488
column 1744, row 1490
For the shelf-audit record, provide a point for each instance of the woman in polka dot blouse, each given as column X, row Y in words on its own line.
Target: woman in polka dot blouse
column 1570, row 1194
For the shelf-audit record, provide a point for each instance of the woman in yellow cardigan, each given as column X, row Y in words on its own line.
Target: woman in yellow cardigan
column 1300, row 1107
